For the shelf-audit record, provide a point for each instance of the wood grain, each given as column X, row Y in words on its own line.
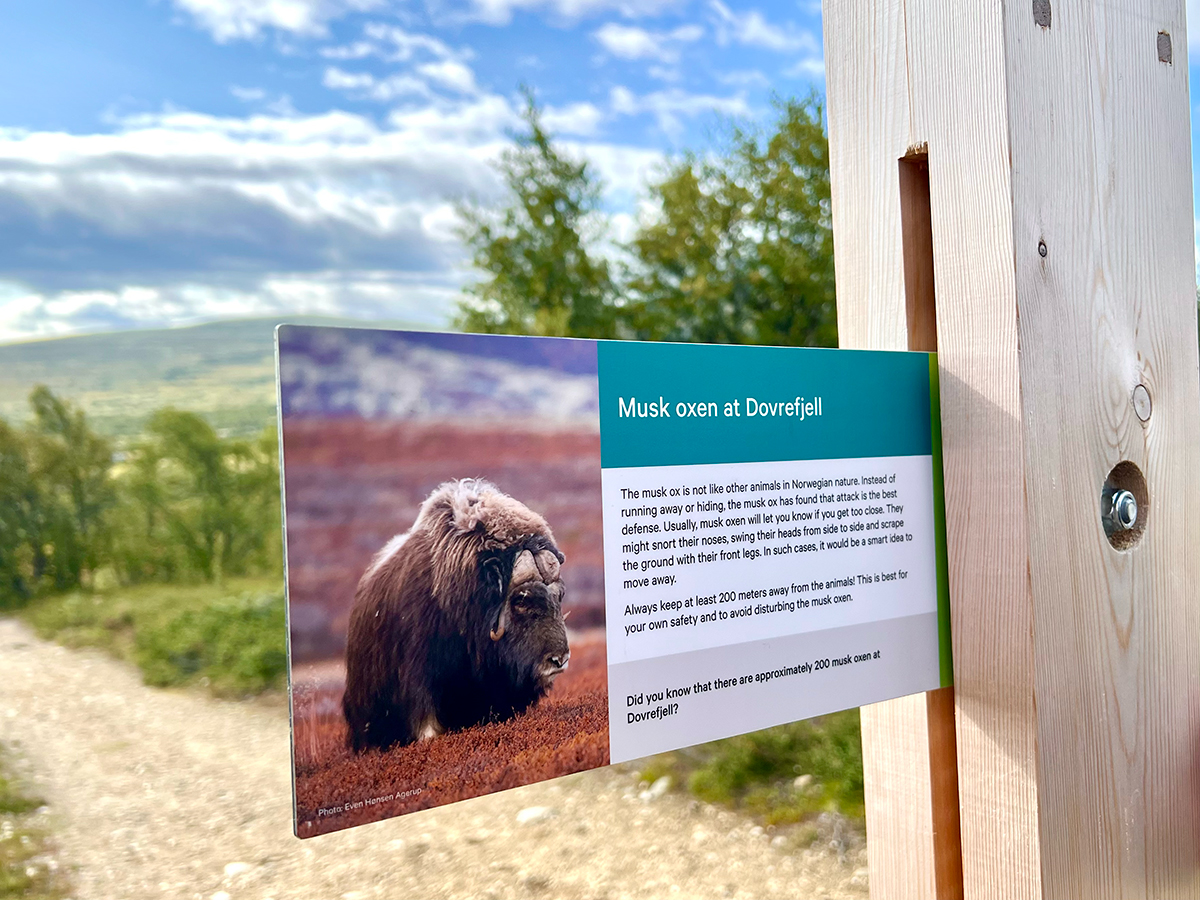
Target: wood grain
column 885, row 281
column 1101, row 174
column 1077, row 666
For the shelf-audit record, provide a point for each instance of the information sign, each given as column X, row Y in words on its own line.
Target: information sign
column 512, row 558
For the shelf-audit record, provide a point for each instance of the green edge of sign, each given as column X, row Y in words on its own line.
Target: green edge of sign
column 945, row 660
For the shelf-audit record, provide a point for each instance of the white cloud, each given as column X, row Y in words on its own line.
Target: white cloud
column 182, row 194
column 384, row 90
column 631, row 42
column 229, row 20
column 500, row 12
column 670, row 107
column 26, row 314
column 248, row 95
column 339, row 80
column 744, row 78
column 181, row 216
column 575, row 118
column 395, row 45
column 812, row 67
column 357, row 50
column 751, row 29
column 447, row 68
column 450, row 74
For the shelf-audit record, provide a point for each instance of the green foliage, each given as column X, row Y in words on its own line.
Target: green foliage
column 24, row 845
column 742, row 251
column 183, row 503
column 70, row 465
column 232, row 639
column 543, row 279
column 19, row 504
column 196, row 504
column 55, row 494
column 758, row 772
column 237, row 644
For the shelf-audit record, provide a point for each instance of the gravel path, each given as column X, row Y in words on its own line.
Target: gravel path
column 174, row 794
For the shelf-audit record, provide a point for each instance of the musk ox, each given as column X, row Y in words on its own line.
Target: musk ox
column 456, row 622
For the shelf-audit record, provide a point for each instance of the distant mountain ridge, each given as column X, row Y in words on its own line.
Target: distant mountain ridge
column 223, row 370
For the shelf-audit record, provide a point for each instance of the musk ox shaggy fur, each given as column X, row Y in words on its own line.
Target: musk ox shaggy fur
column 456, row 622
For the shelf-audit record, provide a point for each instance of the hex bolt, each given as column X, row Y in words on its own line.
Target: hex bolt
column 1123, row 511
column 1124, row 505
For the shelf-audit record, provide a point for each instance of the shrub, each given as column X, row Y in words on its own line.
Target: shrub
column 237, row 646
column 232, row 639
column 759, row 772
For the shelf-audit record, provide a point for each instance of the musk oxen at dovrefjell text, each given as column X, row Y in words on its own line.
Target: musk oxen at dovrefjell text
column 456, row 622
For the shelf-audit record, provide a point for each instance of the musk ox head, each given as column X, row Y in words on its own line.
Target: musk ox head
column 457, row 621
column 530, row 633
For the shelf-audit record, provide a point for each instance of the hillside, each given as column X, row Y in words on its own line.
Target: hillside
column 223, row 370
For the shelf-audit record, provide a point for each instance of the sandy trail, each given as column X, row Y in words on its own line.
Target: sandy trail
column 174, row 794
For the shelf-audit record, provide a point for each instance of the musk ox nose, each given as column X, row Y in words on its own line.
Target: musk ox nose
column 559, row 660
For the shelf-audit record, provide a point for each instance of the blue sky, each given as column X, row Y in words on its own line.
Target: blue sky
column 169, row 161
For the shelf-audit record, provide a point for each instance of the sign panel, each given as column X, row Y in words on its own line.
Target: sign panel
column 513, row 558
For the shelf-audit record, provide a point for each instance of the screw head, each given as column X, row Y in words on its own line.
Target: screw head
column 1042, row 251
column 1124, row 510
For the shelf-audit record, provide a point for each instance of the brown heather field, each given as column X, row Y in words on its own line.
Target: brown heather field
column 567, row 732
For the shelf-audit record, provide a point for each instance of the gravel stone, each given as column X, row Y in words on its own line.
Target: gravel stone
column 154, row 792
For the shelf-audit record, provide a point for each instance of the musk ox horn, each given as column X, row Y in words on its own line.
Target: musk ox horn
column 525, row 569
column 501, row 622
column 547, row 564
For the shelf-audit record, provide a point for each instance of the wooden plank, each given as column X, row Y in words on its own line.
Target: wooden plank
column 883, row 255
column 1101, row 178
column 1077, row 666
column 958, row 80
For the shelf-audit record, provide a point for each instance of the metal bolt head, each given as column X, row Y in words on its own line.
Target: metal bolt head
column 1124, row 510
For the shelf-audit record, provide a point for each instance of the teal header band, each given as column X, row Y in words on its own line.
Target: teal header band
column 687, row 404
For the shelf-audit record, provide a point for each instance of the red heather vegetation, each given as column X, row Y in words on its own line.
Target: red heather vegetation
column 566, row 732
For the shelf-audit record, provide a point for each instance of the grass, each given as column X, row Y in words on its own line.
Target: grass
column 782, row 776
column 231, row 639
column 27, row 869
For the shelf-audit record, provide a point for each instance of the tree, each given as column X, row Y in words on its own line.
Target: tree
column 742, row 248
column 543, row 278
column 70, row 465
column 18, row 509
column 215, row 499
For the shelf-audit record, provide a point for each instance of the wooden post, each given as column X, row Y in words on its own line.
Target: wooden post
column 1056, row 134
